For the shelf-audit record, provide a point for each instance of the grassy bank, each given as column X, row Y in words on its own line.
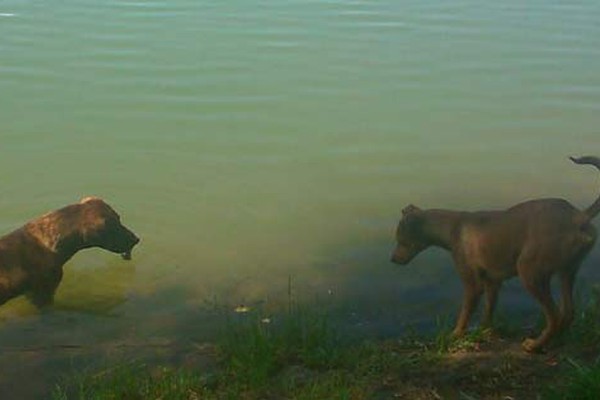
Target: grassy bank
column 300, row 355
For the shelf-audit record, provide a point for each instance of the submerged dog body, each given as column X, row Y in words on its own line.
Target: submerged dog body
column 535, row 240
column 32, row 257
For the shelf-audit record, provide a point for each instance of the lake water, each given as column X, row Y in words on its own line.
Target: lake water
column 253, row 142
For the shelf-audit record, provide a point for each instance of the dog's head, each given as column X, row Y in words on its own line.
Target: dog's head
column 100, row 226
column 409, row 236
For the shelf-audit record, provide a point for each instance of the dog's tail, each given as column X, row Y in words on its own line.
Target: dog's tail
column 594, row 209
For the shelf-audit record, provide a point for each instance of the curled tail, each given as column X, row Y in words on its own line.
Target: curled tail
column 594, row 209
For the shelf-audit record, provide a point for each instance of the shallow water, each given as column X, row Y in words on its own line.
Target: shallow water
column 251, row 142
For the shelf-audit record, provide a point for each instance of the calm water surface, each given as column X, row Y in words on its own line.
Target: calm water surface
column 248, row 142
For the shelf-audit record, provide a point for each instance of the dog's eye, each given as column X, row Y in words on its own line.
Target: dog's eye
column 109, row 223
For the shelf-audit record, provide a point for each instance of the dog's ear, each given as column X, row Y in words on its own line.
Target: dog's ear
column 87, row 199
column 411, row 218
column 410, row 210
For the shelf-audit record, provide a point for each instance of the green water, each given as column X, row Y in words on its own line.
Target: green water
column 250, row 141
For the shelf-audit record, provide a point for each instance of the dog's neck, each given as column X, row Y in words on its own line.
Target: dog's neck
column 52, row 233
column 439, row 227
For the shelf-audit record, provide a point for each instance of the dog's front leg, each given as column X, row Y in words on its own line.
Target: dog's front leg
column 5, row 292
column 472, row 291
column 491, row 298
column 470, row 300
column 42, row 293
column 41, row 299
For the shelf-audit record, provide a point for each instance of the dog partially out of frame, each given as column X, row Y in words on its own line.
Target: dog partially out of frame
column 535, row 240
column 32, row 257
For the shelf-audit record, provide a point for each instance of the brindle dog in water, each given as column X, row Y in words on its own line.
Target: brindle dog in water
column 535, row 240
column 32, row 257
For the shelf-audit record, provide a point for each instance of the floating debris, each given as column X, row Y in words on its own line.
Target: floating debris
column 266, row 320
column 552, row 362
column 241, row 309
column 7, row 15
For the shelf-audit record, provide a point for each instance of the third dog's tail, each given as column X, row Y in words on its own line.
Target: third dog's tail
column 594, row 209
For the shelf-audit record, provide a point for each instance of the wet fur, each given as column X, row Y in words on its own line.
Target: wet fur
column 32, row 257
column 534, row 240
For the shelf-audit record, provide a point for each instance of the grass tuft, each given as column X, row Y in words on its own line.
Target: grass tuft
column 582, row 383
column 252, row 351
column 133, row 382
column 585, row 329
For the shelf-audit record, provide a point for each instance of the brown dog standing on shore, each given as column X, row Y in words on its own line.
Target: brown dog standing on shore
column 534, row 240
column 32, row 257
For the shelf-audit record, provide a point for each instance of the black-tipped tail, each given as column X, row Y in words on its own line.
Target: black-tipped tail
column 594, row 209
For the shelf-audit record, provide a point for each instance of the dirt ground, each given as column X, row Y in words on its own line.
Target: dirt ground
column 494, row 369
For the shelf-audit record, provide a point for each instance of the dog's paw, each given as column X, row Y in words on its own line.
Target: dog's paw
column 457, row 334
column 531, row 346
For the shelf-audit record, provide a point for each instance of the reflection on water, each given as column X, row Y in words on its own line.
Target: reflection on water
column 250, row 141
column 96, row 290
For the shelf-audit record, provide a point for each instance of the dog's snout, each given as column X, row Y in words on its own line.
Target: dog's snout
column 132, row 240
column 396, row 260
column 400, row 256
column 130, row 236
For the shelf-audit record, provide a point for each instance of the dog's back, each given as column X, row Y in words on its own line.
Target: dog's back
column 496, row 241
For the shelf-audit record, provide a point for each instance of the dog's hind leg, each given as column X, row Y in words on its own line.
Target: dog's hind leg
column 567, row 279
column 539, row 287
column 585, row 241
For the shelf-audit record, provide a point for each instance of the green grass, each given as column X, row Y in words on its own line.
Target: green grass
column 134, row 382
column 299, row 354
column 583, row 380
column 442, row 342
column 297, row 351
column 252, row 350
column 586, row 326
column 582, row 383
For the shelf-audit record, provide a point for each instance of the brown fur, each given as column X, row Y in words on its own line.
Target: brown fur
column 534, row 240
column 32, row 257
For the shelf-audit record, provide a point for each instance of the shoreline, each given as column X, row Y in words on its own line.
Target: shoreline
column 301, row 355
